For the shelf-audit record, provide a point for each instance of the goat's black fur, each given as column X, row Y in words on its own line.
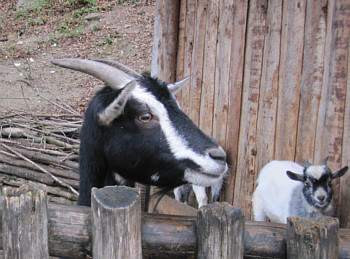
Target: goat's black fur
column 134, row 150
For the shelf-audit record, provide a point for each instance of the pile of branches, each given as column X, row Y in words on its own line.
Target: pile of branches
column 43, row 149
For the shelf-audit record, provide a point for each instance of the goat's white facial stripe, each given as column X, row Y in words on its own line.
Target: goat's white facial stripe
column 316, row 171
column 177, row 144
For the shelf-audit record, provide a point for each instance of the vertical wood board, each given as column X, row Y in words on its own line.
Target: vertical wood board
column 269, row 86
column 235, row 92
column 312, row 78
column 292, row 38
column 330, row 129
column 244, row 182
column 165, row 40
column 223, row 58
column 208, row 82
column 197, row 59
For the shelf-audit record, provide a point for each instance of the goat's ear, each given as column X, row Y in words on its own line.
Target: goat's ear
column 116, row 108
column 339, row 173
column 295, row 177
column 177, row 86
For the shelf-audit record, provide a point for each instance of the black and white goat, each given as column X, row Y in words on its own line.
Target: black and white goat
column 288, row 189
column 135, row 128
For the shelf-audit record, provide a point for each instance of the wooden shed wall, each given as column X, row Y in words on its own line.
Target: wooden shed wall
column 268, row 78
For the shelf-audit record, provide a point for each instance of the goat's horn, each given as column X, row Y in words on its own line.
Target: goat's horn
column 119, row 66
column 306, row 163
column 177, row 86
column 324, row 162
column 110, row 75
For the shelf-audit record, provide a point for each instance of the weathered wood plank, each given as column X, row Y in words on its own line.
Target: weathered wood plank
column 208, row 81
column 165, row 40
column 222, row 70
column 330, row 128
column 292, row 38
column 170, row 206
column 180, row 73
column 24, row 222
column 267, row 113
column 177, row 239
column 220, row 230
column 116, row 222
column 344, row 205
column 235, row 91
column 69, row 229
column 197, row 59
column 310, row 238
column 344, row 217
column 312, row 78
column 245, row 172
column 185, row 101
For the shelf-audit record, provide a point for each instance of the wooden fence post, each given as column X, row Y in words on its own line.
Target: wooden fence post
column 310, row 238
column 24, row 222
column 116, row 222
column 220, row 231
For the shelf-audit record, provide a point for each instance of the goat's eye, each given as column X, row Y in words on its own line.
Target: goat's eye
column 308, row 183
column 145, row 117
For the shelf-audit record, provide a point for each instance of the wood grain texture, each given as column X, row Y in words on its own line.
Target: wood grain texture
column 344, row 203
column 267, row 114
column 70, row 235
column 165, row 40
column 310, row 238
column 330, row 128
column 312, row 78
column 200, row 27
column 240, row 13
column 245, row 172
column 222, row 70
column 185, row 94
column 208, row 81
column 220, row 230
column 116, row 222
column 292, row 38
column 269, row 80
column 24, row 222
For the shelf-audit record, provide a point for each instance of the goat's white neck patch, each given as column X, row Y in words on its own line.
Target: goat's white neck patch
column 177, row 144
column 316, row 171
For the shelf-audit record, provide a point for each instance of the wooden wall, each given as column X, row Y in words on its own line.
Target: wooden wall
column 268, row 79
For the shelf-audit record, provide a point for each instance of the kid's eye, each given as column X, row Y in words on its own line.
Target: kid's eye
column 308, row 183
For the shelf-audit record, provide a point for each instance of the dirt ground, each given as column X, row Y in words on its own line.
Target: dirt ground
column 67, row 29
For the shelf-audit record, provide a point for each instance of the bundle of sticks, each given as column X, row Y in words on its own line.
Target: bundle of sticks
column 43, row 149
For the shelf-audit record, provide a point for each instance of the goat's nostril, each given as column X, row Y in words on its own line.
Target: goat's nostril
column 321, row 197
column 217, row 154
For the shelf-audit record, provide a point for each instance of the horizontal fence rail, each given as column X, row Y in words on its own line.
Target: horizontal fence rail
column 70, row 229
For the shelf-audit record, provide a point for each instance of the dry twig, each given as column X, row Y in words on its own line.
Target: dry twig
column 40, row 168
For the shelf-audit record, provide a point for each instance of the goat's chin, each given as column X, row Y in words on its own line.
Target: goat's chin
column 203, row 178
column 321, row 205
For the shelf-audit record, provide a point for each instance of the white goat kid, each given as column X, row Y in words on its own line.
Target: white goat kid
column 285, row 189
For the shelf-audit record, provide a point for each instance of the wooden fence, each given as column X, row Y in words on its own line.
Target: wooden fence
column 115, row 228
column 268, row 79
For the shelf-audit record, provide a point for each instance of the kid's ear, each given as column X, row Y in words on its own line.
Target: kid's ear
column 340, row 172
column 295, row 177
